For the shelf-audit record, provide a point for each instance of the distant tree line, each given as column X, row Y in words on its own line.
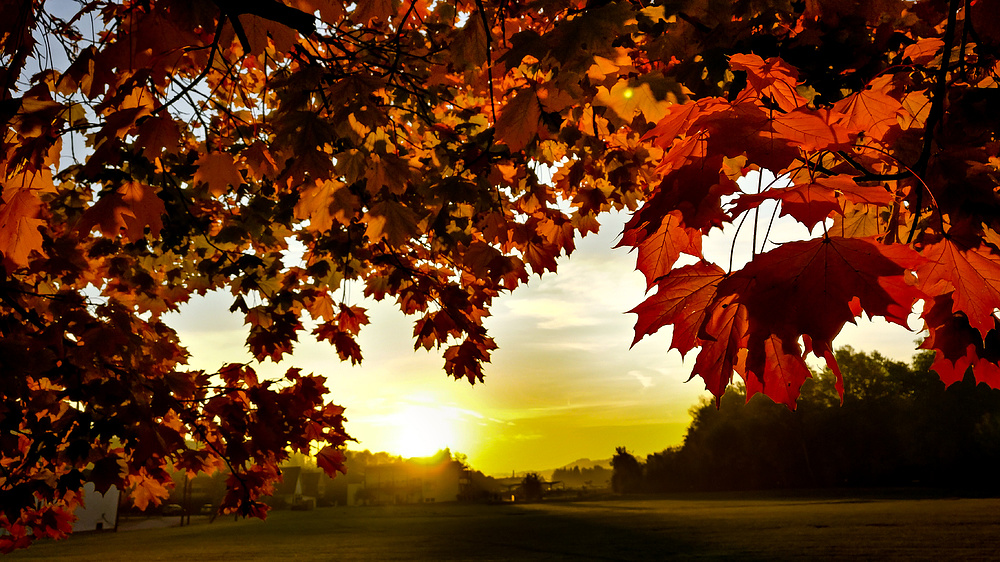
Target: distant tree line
column 585, row 478
column 898, row 426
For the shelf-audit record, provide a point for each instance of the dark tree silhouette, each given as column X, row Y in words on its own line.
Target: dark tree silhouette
column 898, row 426
column 627, row 475
column 532, row 487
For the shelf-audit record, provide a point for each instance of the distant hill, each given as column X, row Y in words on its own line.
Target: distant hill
column 547, row 473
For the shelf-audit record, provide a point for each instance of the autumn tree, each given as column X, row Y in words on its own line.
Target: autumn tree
column 155, row 150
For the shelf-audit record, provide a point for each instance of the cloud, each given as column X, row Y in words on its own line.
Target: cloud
column 645, row 380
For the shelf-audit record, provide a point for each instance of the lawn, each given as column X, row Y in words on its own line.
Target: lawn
column 731, row 527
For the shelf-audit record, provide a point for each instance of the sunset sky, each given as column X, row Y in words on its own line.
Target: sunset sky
column 564, row 384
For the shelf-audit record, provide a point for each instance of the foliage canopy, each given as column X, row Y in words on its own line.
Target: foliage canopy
column 400, row 143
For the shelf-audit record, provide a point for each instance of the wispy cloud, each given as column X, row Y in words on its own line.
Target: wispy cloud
column 645, row 380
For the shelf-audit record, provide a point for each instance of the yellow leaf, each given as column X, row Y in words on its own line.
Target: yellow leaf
column 627, row 99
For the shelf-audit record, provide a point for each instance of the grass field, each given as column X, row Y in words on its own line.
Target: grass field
column 728, row 528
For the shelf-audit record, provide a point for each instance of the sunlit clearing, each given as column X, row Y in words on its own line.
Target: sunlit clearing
column 423, row 431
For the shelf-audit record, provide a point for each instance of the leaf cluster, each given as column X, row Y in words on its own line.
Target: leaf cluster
column 435, row 154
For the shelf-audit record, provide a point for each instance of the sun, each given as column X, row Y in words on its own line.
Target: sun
column 423, row 430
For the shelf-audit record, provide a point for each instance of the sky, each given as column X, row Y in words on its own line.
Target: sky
column 563, row 385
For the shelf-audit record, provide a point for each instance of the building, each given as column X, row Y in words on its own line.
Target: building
column 99, row 512
column 411, row 481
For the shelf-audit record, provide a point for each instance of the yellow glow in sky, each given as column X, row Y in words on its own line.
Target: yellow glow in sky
column 564, row 384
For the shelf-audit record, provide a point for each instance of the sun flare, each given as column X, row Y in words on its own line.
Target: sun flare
column 423, row 431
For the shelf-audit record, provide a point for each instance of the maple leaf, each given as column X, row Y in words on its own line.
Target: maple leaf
column 331, row 460
column 466, row 359
column 146, row 489
column 343, row 341
column 260, row 164
column 782, row 374
column 681, row 299
column 315, row 203
column 19, row 224
column 773, row 78
column 391, row 221
column 696, row 190
column 676, row 120
column 809, row 289
column 924, row 50
column 351, row 318
column 958, row 346
column 626, row 98
column 870, row 110
column 218, row 171
column 158, row 134
column 974, row 274
column 659, row 251
column 131, row 208
column 518, row 122
column 541, row 256
column 811, row 130
column 724, row 334
column 143, row 209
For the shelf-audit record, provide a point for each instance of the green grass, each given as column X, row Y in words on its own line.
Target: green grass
column 725, row 528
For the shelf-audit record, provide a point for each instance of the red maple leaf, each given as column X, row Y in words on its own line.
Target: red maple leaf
column 681, row 299
column 724, row 340
column 676, row 121
column 958, row 346
column 659, row 251
column 812, row 288
column 331, row 460
column 783, row 373
column 974, row 274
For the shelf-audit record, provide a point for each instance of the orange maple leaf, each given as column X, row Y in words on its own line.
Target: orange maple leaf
column 19, row 222
column 218, row 171
column 871, row 111
column 811, row 129
column 391, row 221
column 146, row 490
column 131, row 208
column 519, row 119
column 773, row 78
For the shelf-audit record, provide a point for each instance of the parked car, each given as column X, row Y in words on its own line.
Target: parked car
column 173, row 509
